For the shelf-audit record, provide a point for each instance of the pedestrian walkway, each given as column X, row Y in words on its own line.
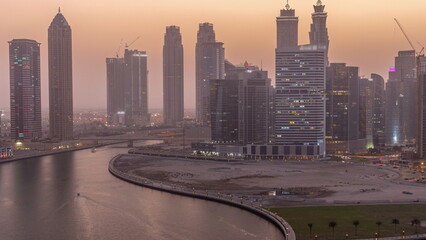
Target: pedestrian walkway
column 412, row 237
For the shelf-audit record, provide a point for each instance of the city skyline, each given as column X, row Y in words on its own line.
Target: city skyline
column 257, row 119
column 244, row 32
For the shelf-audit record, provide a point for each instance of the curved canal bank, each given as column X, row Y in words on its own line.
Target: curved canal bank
column 281, row 224
column 72, row 196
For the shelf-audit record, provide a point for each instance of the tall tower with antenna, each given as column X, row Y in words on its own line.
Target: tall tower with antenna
column 60, row 79
column 319, row 33
column 287, row 28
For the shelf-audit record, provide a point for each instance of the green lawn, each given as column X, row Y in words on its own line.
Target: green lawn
column 300, row 217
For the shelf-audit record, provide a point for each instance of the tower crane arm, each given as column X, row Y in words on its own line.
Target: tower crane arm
column 128, row 45
column 405, row 34
column 119, row 48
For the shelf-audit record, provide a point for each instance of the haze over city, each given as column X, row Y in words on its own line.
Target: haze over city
column 362, row 33
column 206, row 120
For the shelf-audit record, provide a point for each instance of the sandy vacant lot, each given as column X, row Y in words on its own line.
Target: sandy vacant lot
column 301, row 183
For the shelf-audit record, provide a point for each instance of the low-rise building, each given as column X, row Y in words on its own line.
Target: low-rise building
column 257, row 151
column 6, row 152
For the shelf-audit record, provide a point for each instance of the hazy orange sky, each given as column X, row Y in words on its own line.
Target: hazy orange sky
column 362, row 33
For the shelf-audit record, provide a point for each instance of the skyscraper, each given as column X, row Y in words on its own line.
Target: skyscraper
column 300, row 100
column 366, row 101
column 342, row 109
column 240, row 106
column 25, row 100
column 210, row 64
column 254, row 103
column 401, row 100
column 421, row 114
column 1, row 125
column 255, row 115
column 319, row 33
column 136, row 88
column 378, row 110
column 287, row 28
column 300, row 92
column 115, row 90
column 173, row 81
column 60, row 79
column 224, row 110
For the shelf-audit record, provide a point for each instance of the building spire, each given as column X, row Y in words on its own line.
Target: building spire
column 59, row 10
column 319, row 3
column 287, row 6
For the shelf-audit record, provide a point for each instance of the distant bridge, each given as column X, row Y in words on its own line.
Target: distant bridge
column 132, row 139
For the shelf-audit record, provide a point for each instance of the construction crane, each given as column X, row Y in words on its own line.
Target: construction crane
column 119, row 48
column 128, row 45
column 421, row 53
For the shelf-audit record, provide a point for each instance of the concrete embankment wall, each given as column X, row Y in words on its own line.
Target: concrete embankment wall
column 47, row 153
column 283, row 226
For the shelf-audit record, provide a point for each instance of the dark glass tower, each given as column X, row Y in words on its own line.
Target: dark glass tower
column 115, row 90
column 421, row 114
column 210, row 64
column 60, row 79
column 240, row 106
column 254, row 106
column 136, row 87
column 342, row 108
column 224, row 110
column 378, row 110
column 366, row 101
column 401, row 100
column 25, row 100
column 173, row 81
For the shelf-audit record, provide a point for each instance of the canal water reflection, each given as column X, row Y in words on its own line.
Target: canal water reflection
column 73, row 196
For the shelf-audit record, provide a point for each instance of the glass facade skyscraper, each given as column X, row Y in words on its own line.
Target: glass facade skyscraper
column 210, row 64
column 402, row 100
column 136, row 87
column 115, row 90
column 342, row 110
column 25, row 99
column 173, row 80
column 60, row 79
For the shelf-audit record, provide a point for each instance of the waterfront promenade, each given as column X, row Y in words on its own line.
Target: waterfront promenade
column 36, row 154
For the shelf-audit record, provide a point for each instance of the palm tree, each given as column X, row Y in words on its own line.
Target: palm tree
column 356, row 224
column 378, row 223
column 332, row 225
column 415, row 222
column 310, row 225
column 395, row 222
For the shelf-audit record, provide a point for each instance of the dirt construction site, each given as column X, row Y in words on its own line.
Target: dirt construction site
column 280, row 183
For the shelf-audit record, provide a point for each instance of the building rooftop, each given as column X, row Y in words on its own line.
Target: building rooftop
column 22, row 40
column 59, row 19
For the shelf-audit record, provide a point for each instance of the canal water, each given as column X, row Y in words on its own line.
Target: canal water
column 73, row 196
